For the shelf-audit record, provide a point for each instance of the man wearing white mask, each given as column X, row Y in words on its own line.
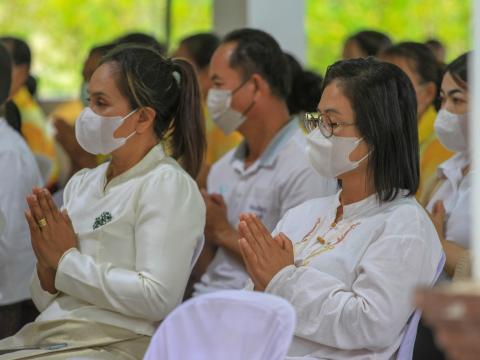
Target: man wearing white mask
column 268, row 173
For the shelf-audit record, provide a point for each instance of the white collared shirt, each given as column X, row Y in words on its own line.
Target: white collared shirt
column 280, row 179
column 455, row 193
column 136, row 239
column 353, row 283
column 18, row 175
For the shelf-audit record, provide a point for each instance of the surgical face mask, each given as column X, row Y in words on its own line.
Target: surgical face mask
column 226, row 118
column 94, row 133
column 84, row 93
column 452, row 130
column 330, row 157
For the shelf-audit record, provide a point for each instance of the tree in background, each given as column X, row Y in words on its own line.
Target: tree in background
column 61, row 32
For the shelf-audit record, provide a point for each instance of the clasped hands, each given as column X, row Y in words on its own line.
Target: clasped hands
column 52, row 234
column 264, row 256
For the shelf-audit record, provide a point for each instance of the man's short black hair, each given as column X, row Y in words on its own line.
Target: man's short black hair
column 371, row 42
column 18, row 49
column 258, row 52
column 140, row 38
column 384, row 102
column 201, row 47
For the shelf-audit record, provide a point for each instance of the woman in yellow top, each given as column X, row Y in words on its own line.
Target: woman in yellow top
column 419, row 63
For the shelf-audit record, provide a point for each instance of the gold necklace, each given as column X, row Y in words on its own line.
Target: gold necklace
column 325, row 245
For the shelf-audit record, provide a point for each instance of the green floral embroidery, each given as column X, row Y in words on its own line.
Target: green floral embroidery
column 104, row 218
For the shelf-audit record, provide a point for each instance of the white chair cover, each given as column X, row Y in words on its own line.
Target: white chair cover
column 231, row 324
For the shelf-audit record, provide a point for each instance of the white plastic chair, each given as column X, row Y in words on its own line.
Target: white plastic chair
column 231, row 324
column 405, row 351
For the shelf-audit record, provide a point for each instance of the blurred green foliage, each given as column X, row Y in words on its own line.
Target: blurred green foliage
column 61, row 32
column 328, row 23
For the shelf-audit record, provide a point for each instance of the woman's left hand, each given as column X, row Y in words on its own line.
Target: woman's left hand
column 264, row 255
column 55, row 229
column 438, row 219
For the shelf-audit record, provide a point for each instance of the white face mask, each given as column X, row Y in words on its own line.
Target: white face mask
column 226, row 118
column 452, row 130
column 94, row 133
column 330, row 157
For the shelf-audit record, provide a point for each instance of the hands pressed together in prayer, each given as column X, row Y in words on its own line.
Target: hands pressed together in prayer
column 52, row 234
column 264, row 255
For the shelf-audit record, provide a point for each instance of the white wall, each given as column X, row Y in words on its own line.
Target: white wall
column 283, row 19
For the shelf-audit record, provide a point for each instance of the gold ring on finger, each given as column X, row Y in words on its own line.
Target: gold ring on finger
column 42, row 223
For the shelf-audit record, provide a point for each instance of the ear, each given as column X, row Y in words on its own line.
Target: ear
column 146, row 118
column 262, row 88
column 22, row 72
column 430, row 91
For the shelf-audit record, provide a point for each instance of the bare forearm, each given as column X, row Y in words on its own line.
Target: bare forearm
column 47, row 278
column 453, row 254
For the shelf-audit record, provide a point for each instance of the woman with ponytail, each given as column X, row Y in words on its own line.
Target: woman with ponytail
column 116, row 260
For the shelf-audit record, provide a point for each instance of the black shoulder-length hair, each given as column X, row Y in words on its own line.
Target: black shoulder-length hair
column 383, row 100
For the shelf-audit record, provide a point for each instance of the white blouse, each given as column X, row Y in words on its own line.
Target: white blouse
column 136, row 240
column 455, row 193
column 353, row 282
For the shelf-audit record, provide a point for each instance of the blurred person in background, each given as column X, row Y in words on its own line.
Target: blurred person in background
column 306, row 89
column 19, row 174
column 437, row 48
column 365, row 43
column 64, row 117
column 141, row 38
column 34, row 126
column 425, row 72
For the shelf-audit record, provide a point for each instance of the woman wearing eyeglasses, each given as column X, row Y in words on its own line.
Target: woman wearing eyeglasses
column 349, row 263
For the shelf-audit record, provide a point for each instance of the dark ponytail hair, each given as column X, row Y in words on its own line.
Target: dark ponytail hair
column 169, row 87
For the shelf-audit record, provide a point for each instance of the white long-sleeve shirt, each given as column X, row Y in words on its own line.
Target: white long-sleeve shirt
column 353, row 283
column 19, row 173
column 136, row 239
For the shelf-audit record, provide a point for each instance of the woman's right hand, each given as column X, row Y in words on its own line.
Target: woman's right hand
column 438, row 219
column 45, row 273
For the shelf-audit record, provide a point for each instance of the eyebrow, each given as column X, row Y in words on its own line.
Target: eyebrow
column 330, row 110
column 454, row 91
column 97, row 93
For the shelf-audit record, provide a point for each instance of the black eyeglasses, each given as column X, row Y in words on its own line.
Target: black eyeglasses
column 323, row 123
